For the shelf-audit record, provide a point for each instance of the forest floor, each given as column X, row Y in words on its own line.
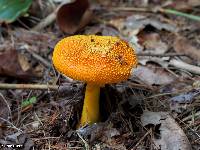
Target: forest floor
column 158, row 107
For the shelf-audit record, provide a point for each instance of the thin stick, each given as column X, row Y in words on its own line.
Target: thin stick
column 138, row 143
column 182, row 65
column 28, row 86
column 11, row 124
column 47, row 21
column 130, row 9
column 87, row 147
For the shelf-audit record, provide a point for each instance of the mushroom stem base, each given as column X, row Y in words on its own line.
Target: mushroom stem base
column 90, row 112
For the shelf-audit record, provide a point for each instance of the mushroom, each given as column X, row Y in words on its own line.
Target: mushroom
column 96, row 60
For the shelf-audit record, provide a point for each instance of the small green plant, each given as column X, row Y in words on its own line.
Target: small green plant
column 29, row 101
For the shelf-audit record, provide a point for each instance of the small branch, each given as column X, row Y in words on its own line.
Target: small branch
column 47, row 21
column 182, row 65
column 142, row 139
column 11, row 124
column 130, row 9
column 87, row 147
column 28, row 86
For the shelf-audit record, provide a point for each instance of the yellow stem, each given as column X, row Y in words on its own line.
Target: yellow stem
column 90, row 113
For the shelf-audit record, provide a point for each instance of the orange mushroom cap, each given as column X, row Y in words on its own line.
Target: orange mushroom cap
column 94, row 59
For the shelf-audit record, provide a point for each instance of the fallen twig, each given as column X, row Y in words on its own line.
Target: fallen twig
column 182, row 65
column 47, row 21
column 29, row 86
column 87, row 147
column 141, row 9
column 11, row 124
column 142, row 139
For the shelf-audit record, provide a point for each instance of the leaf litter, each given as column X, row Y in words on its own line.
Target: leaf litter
column 171, row 136
column 141, row 113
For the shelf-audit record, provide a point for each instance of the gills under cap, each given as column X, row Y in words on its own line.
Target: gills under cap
column 94, row 59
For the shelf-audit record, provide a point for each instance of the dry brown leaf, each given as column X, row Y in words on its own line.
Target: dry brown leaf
column 71, row 17
column 182, row 45
column 139, row 22
column 153, row 75
column 23, row 61
column 172, row 136
column 133, row 24
column 152, row 42
column 10, row 66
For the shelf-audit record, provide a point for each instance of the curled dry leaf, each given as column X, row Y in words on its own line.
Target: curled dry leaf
column 71, row 17
column 172, row 136
column 182, row 45
column 10, row 66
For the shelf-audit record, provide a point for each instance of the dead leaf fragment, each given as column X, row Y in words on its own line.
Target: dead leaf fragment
column 25, row 65
column 182, row 45
column 153, row 75
column 10, row 66
column 152, row 42
column 73, row 16
column 172, row 136
column 138, row 22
